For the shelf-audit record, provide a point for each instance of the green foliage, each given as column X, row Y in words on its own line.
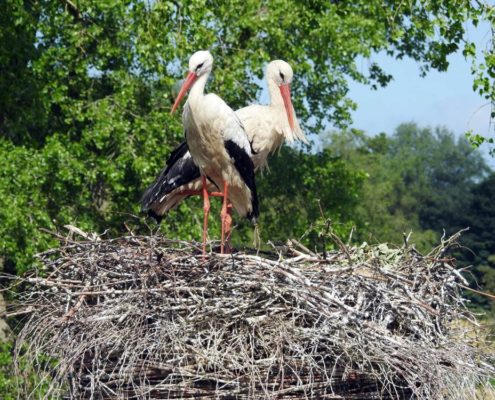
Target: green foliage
column 479, row 243
column 86, row 88
column 23, row 206
column 483, row 66
column 13, row 385
column 418, row 179
column 6, row 384
column 301, row 191
column 438, row 171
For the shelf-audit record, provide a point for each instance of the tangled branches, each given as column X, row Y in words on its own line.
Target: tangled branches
column 145, row 317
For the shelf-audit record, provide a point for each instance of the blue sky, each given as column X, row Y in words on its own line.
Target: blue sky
column 440, row 98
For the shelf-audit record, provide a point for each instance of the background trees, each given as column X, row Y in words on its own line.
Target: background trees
column 86, row 87
column 417, row 179
column 479, row 241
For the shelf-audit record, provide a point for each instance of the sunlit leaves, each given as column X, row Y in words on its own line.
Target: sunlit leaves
column 483, row 68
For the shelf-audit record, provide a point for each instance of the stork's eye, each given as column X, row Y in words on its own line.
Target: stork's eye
column 282, row 75
column 199, row 67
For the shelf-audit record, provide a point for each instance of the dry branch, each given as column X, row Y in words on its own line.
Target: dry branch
column 144, row 317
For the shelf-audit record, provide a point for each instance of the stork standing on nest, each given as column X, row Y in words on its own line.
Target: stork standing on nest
column 218, row 145
column 267, row 126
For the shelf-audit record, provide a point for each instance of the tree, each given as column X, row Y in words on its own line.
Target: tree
column 418, row 179
column 478, row 252
column 302, row 191
column 439, row 171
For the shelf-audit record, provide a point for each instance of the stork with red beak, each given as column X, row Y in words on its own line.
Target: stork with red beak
column 217, row 144
column 267, row 126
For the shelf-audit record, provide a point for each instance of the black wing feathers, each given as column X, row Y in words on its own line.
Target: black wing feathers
column 244, row 165
column 179, row 171
column 179, row 152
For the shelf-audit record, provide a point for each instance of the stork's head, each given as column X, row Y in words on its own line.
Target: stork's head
column 281, row 74
column 200, row 64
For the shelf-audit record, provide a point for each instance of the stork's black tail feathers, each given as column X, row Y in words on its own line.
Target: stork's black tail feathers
column 179, row 170
column 155, row 216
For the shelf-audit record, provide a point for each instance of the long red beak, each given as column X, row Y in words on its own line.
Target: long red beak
column 285, row 91
column 191, row 77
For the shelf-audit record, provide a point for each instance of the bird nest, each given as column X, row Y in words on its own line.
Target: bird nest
column 146, row 317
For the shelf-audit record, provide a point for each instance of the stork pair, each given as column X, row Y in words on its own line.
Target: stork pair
column 223, row 148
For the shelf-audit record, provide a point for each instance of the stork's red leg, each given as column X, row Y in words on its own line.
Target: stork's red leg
column 225, row 216
column 228, row 228
column 206, row 210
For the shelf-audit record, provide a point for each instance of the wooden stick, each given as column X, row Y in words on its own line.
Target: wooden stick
column 485, row 294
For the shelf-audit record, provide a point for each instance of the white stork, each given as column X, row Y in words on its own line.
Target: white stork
column 267, row 126
column 218, row 145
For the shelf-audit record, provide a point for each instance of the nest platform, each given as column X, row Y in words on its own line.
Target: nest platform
column 144, row 317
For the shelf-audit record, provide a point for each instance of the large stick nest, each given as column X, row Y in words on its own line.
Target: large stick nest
column 146, row 317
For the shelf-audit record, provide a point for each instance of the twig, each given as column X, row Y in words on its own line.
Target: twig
column 485, row 294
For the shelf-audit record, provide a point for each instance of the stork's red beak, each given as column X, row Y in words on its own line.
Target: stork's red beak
column 191, row 77
column 285, row 91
